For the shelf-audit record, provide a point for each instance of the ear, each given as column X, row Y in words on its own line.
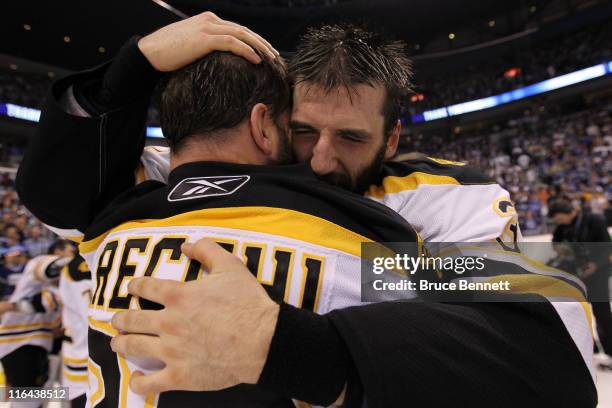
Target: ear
column 393, row 141
column 258, row 125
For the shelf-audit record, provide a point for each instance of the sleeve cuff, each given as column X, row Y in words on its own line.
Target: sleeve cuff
column 308, row 360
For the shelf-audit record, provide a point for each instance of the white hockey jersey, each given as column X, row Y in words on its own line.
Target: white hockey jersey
column 34, row 327
column 75, row 291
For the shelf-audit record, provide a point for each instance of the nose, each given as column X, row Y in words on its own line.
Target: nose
column 324, row 159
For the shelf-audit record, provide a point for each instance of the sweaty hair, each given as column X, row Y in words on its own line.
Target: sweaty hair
column 335, row 56
column 218, row 92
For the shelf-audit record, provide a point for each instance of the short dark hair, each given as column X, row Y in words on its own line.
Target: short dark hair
column 218, row 92
column 335, row 56
column 60, row 245
column 560, row 206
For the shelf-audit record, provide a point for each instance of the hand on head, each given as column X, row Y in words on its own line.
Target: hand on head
column 179, row 44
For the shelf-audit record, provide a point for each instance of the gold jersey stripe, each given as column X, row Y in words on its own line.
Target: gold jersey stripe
column 97, row 395
column 103, row 327
column 126, row 376
column 41, row 325
column 395, row 184
column 76, row 378
column 268, row 220
column 463, row 247
column 546, row 286
column 150, row 400
column 75, row 361
column 444, row 161
column 29, row 337
column 76, row 239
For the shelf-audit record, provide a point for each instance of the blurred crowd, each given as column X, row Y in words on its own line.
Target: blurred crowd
column 538, row 157
column 23, row 236
column 23, row 89
column 542, row 60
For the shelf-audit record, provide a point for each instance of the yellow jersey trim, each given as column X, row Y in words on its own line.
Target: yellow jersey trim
column 76, row 378
column 395, row 184
column 103, row 327
column 275, row 221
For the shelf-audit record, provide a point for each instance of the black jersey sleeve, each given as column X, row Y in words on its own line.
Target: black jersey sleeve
column 502, row 354
column 413, row 353
column 77, row 163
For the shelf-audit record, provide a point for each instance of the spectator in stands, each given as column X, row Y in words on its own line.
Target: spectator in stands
column 15, row 259
column 537, row 156
column 592, row 262
column 539, row 61
column 11, row 236
column 36, row 244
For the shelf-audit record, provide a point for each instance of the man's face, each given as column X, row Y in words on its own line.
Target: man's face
column 67, row 252
column 12, row 233
column 35, row 232
column 341, row 134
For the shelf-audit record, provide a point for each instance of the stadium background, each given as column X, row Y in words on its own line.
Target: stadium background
column 522, row 89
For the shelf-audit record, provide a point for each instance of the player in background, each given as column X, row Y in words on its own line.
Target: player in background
column 75, row 292
column 30, row 318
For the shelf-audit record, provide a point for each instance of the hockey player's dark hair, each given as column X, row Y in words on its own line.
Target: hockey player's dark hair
column 334, row 56
column 58, row 245
column 218, row 92
column 561, row 206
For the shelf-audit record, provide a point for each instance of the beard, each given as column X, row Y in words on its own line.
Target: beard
column 285, row 154
column 364, row 179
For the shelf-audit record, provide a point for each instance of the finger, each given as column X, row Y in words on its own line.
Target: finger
column 153, row 383
column 245, row 35
column 163, row 291
column 137, row 345
column 210, row 16
column 263, row 40
column 138, row 321
column 229, row 43
column 211, row 255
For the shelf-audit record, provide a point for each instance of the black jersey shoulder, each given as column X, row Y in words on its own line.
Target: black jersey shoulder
column 463, row 173
column 292, row 187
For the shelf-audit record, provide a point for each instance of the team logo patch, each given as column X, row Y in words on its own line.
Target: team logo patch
column 200, row 187
column 504, row 207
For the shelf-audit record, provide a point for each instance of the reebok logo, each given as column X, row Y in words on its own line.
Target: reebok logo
column 200, row 187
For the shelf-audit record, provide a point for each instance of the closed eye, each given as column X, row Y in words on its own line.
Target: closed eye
column 354, row 136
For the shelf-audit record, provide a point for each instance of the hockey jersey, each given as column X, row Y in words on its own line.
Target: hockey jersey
column 300, row 237
column 75, row 292
column 33, row 327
